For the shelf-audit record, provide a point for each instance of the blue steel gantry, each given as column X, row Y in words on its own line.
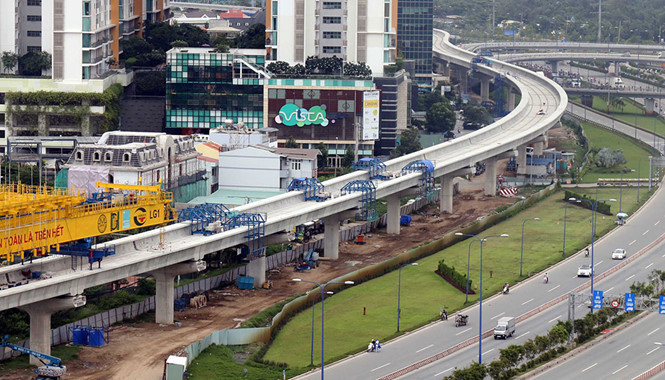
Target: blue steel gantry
column 256, row 230
column 368, row 200
column 426, row 167
column 204, row 215
column 311, row 187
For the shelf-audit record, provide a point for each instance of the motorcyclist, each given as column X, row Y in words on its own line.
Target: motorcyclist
column 586, row 252
column 546, row 279
column 506, row 288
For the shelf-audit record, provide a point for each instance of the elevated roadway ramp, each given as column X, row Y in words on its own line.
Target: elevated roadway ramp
column 552, row 45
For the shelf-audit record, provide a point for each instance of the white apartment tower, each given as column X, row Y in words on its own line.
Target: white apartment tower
column 81, row 35
column 355, row 30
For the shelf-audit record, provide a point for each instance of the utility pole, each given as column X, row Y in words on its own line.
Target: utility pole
column 493, row 20
column 600, row 13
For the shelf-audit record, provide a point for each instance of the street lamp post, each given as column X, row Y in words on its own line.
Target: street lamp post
column 468, row 264
column 522, row 249
column 399, row 289
column 594, row 206
column 323, row 297
column 311, row 354
column 480, row 318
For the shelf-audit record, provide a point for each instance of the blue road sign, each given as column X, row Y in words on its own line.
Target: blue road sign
column 661, row 306
column 629, row 303
column 597, row 299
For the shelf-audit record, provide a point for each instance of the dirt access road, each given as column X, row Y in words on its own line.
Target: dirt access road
column 137, row 351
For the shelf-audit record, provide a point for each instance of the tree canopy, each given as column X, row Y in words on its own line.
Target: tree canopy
column 409, row 142
column 440, row 118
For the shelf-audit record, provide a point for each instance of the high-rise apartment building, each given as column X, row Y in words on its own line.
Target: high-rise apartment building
column 414, row 35
column 81, row 35
column 355, row 30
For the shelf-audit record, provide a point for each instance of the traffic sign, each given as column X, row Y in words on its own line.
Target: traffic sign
column 661, row 306
column 615, row 303
column 598, row 299
column 629, row 303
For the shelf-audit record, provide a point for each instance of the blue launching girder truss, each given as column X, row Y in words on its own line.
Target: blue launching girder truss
column 311, row 187
column 426, row 167
column 203, row 215
column 374, row 166
column 83, row 248
column 256, row 230
column 368, row 200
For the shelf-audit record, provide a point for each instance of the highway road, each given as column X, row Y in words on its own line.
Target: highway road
column 624, row 354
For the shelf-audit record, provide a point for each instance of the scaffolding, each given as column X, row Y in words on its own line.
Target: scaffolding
column 368, row 199
column 311, row 187
column 426, row 168
column 206, row 218
column 256, row 230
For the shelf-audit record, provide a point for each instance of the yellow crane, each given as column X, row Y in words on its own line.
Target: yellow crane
column 38, row 220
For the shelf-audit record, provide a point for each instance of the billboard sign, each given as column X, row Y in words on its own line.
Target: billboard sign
column 291, row 115
column 370, row 115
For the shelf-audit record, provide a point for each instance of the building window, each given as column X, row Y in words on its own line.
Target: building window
column 97, row 156
column 296, row 164
column 108, row 157
column 126, row 157
column 332, row 5
column 332, row 49
column 34, row 48
column 35, row 3
column 332, row 20
column 332, row 35
column 34, row 18
column 79, row 156
column 34, row 33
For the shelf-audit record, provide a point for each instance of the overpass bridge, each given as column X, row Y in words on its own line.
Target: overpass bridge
column 558, row 45
column 173, row 250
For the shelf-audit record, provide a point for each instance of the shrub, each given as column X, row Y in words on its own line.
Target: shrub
column 454, row 276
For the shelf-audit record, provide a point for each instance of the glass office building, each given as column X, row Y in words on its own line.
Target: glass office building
column 414, row 35
column 204, row 88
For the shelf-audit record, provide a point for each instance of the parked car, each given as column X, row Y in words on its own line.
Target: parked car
column 619, row 254
column 584, row 271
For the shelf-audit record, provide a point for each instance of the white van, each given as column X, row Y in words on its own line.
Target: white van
column 505, row 328
column 617, row 83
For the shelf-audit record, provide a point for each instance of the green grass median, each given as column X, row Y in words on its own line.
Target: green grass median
column 423, row 293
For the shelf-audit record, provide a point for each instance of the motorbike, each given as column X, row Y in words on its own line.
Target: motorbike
column 460, row 320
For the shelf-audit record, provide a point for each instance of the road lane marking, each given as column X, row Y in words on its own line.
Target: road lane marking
column 655, row 224
column 615, row 372
column 424, row 348
column 379, row 367
column 656, row 329
column 553, row 288
column 497, row 316
column 623, row 348
column 442, row 372
column 523, row 334
column 552, row 320
column 645, row 232
column 647, row 267
column 629, row 278
column 526, row 302
column 488, row 351
column 598, row 263
column 462, row 332
column 578, row 276
column 589, row 367
column 608, row 290
column 631, row 243
column 653, row 350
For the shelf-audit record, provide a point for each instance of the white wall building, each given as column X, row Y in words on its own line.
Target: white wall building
column 263, row 168
column 356, row 30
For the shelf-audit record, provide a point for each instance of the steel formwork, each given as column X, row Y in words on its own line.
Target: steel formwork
column 368, row 199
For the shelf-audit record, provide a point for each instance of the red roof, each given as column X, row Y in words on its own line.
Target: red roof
column 233, row 13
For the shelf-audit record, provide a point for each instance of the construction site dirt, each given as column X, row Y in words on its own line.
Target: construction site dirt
column 138, row 350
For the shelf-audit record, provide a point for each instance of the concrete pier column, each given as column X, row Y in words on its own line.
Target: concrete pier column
column 617, row 68
column 521, row 159
column 555, row 66
column 484, row 88
column 40, row 321
column 393, row 214
column 42, row 122
column 490, row 176
column 257, row 268
column 511, row 101
column 331, row 237
column 538, row 149
column 164, row 291
column 446, row 194
column 649, row 105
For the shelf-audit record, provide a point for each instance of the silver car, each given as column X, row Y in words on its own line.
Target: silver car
column 619, row 254
column 584, row 271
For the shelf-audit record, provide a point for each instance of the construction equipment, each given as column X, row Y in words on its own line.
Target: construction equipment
column 311, row 187
column 310, row 261
column 368, row 200
column 375, row 167
column 426, row 167
column 35, row 221
column 49, row 371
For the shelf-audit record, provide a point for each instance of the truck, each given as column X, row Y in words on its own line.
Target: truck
column 617, row 83
column 505, row 328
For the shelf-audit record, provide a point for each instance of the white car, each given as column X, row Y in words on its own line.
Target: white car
column 584, row 271
column 619, row 254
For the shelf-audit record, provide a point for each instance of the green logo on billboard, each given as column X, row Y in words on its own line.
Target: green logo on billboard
column 291, row 114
